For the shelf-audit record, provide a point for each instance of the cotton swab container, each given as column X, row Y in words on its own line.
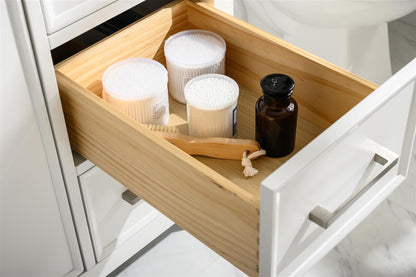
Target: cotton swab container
column 211, row 102
column 138, row 87
column 192, row 53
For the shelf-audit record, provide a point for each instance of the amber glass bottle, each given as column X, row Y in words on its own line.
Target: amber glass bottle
column 276, row 115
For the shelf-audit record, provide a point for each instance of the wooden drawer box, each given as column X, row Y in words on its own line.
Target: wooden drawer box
column 260, row 224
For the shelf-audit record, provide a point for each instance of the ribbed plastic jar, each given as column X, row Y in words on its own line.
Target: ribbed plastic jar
column 192, row 53
column 138, row 87
column 211, row 102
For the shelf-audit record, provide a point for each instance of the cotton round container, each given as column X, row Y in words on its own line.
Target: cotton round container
column 138, row 87
column 190, row 54
column 211, row 102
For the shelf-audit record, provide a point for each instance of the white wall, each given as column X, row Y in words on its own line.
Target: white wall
column 410, row 19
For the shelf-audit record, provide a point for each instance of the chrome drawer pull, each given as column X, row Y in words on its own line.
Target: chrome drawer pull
column 130, row 197
column 324, row 218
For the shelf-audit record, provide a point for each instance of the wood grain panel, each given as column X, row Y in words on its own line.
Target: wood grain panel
column 325, row 92
column 213, row 209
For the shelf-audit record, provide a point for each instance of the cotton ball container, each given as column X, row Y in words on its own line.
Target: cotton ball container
column 138, row 88
column 190, row 54
column 211, row 102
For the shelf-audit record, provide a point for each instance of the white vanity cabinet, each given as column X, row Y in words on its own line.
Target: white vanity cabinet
column 37, row 234
column 352, row 150
column 353, row 145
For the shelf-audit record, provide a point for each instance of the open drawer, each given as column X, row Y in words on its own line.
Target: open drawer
column 269, row 224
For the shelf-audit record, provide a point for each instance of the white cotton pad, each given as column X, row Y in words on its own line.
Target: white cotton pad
column 211, row 102
column 192, row 53
column 138, row 87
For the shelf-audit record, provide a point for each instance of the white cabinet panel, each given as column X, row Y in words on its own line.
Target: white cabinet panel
column 330, row 170
column 65, row 20
column 326, row 172
column 59, row 14
column 112, row 220
column 33, row 240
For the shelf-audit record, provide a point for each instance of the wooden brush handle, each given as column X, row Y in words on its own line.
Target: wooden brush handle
column 221, row 148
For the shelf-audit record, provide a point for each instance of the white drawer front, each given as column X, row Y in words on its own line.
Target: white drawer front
column 112, row 220
column 59, row 14
column 331, row 169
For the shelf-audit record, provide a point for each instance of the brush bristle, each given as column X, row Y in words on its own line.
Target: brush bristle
column 161, row 128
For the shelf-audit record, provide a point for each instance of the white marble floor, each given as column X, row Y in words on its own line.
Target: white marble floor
column 178, row 253
column 383, row 245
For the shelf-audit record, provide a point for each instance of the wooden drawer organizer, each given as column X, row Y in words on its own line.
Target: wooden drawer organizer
column 207, row 197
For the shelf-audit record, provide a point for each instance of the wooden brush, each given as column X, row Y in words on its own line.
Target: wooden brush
column 220, row 148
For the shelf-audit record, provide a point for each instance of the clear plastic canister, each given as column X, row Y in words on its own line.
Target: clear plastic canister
column 211, row 102
column 192, row 53
column 138, row 87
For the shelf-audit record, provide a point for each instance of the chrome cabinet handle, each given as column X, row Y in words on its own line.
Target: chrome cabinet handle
column 324, row 218
column 130, row 197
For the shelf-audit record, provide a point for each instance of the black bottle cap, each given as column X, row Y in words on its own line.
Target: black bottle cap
column 277, row 85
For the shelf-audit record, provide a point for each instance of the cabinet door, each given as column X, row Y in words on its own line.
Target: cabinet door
column 65, row 20
column 59, row 14
column 316, row 198
column 33, row 239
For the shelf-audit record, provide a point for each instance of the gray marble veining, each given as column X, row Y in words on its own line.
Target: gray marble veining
column 383, row 245
column 180, row 254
